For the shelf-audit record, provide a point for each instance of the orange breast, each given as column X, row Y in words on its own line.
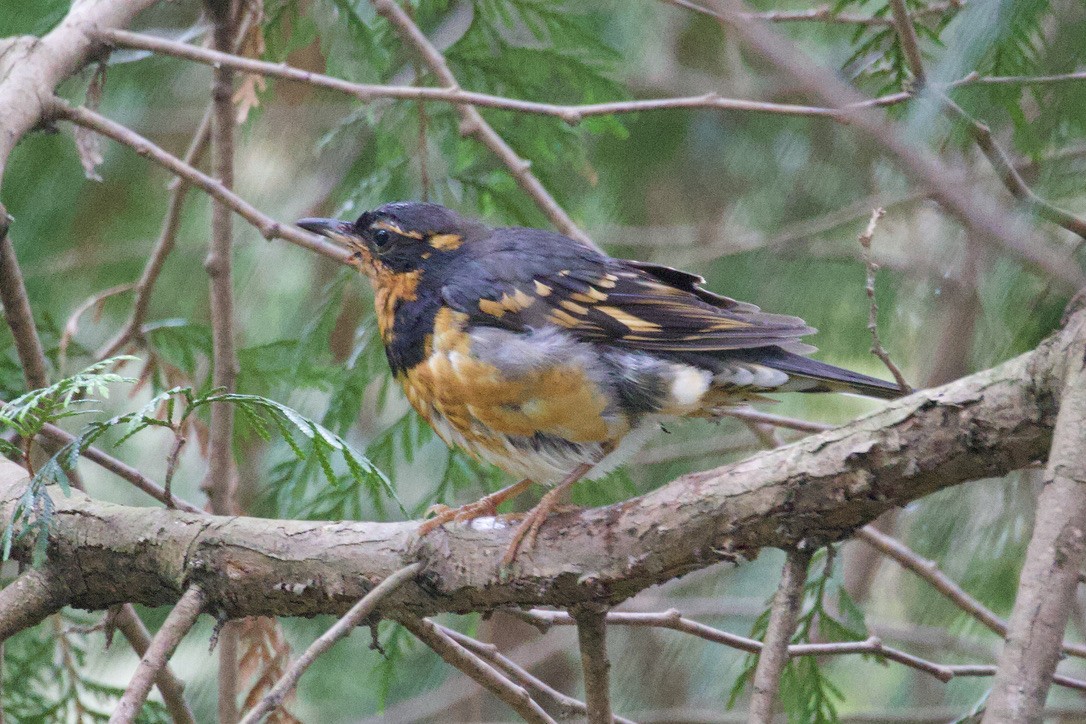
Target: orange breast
column 487, row 405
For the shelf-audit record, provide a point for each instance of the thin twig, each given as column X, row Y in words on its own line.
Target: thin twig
column 910, row 45
column 873, row 309
column 592, row 641
column 71, row 327
column 177, row 624
column 991, row 221
column 516, row 696
column 358, row 613
column 783, row 616
column 131, row 627
column 1008, row 174
column 827, row 14
column 766, row 418
column 473, row 123
column 675, row 621
column 17, row 311
column 564, row 706
column 929, row 571
column 267, row 226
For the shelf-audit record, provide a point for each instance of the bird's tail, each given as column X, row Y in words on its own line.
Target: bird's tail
column 809, row 375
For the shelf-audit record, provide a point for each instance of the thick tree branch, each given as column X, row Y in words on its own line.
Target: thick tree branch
column 31, row 68
column 820, row 488
column 1053, row 561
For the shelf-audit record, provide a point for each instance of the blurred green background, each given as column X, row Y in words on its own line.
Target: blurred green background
column 766, row 207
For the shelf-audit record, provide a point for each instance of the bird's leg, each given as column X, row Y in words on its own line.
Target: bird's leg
column 487, row 505
column 524, row 537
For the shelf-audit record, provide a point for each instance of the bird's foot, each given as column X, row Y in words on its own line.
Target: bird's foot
column 485, row 506
column 525, row 534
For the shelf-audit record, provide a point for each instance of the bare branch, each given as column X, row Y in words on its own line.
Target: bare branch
column 129, row 624
column 473, row 123
column 29, row 599
column 566, row 707
column 910, row 45
column 978, row 212
column 675, row 621
column 174, row 628
column 1053, row 562
column 820, row 488
column 268, row 227
column 765, row 418
column 782, row 624
column 496, row 682
column 873, row 308
column 942, row 583
column 341, row 629
column 17, row 311
column 1009, row 175
column 592, row 639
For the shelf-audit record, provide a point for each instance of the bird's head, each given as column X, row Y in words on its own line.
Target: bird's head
column 403, row 237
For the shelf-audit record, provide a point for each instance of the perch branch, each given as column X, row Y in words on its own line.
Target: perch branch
column 820, row 488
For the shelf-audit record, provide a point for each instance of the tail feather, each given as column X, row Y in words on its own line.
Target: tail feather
column 827, row 377
column 835, row 379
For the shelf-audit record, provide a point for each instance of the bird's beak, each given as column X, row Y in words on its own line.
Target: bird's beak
column 334, row 229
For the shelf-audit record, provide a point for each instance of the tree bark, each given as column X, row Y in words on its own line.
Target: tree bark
column 816, row 490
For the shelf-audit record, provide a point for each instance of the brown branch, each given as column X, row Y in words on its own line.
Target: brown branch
column 129, row 624
column 565, row 707
column 496, row 682
column 164, row 245
column 341, row 629
column 17, row 311
column 591, row 624
column 1008, row 174
column 826, row 14
column 766, row 418
column 873, row 308
column 267, row 226
column 976, row 211
column 220, row 484
column 782, row 624
column 910, row 44
column 472, row 122
column 675, row 621
column 174, row 628
column 29, row 599
column 820, row 488
column 1054, row 559
column 930, row 573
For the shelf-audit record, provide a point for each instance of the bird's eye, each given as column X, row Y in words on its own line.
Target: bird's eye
column 381, row 237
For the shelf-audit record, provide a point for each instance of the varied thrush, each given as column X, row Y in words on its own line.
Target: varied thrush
column 551, row 360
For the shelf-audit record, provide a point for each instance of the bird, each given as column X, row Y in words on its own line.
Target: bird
column 553, row 361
